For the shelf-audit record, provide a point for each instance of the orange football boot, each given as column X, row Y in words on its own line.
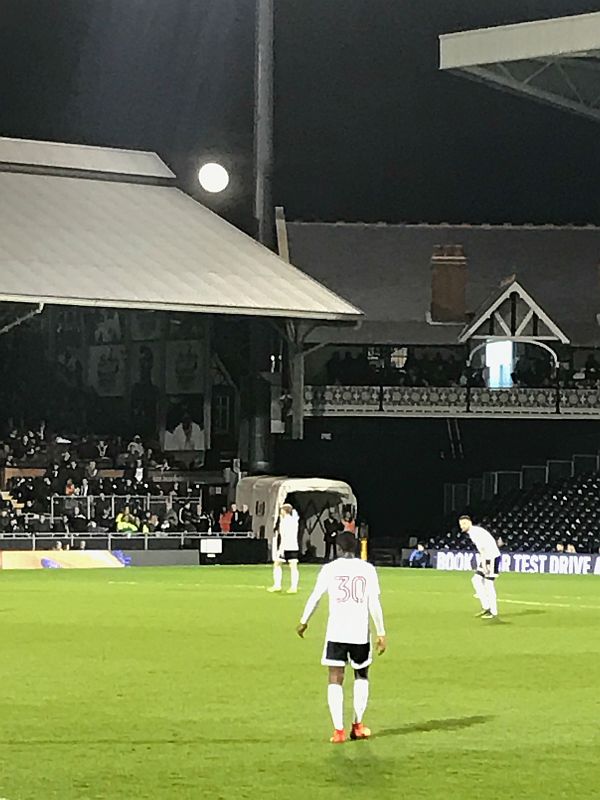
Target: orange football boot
column 359, row 731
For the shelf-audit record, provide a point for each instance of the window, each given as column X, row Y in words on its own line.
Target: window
column 499, row 360
column 399, row 357
column 222, row 413
column 375, row 357
column 379, row 357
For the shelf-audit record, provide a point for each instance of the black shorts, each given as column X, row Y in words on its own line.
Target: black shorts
column 290, row 555
column 495, row 569
column 337, row 654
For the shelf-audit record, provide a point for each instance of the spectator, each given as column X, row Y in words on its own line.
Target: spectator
column 187, row 518
column 127, row 522
column 419, row 557
column 101, row 504
column 204, row 523
column 349, row 523
column 592, row 369
column 91, row 472
column 5, row 521
column 54, row 477
column 43, row 524
column 245, row 520
column 137, row 473
column 74, row 472
column 225, row 519
column 135, row 448
column 571, row 548
column 236, row 517
column 332, row 526
column 151, row 523
column 104, row 521
column 18, row 525
column 60, row 524
column 70, row 489
column 560, row 548
column 170, row 522
column 79, row 522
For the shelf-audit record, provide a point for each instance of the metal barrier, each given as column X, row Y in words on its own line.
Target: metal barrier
column 93, row 505
column 112, row 541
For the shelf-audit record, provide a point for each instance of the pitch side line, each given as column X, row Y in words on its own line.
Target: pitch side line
column 501, row 601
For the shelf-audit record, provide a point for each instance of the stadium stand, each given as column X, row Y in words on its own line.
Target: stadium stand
column 100, row 485
column 555, row 513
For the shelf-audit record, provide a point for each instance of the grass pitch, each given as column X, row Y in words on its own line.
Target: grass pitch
column 190, row 683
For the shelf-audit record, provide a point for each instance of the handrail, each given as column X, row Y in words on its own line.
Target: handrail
column 145, row 502
column 73, row 539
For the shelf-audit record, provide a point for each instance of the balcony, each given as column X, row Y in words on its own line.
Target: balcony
column 393, row 401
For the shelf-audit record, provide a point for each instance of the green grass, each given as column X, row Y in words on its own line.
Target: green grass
column 190, row 683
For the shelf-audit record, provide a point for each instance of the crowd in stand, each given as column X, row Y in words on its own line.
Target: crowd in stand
column 447, row 368
column 101, row 485
column 418, row 371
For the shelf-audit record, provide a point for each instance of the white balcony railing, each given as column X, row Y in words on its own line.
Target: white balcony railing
column 396, row 401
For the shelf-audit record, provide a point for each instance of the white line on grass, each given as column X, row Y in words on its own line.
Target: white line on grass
column 546, row 605
column 502, row 599
column 206, row 585
column 119, row 583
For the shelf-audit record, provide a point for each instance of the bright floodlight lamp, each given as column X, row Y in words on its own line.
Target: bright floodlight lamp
column 213, row 177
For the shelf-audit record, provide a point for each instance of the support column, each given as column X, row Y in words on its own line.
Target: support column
column 297, row 389
column 263, row 123
column 259, row 433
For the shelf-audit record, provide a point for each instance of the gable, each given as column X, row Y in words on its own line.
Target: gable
column 512, row 313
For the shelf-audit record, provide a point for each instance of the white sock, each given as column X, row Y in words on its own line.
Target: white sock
column 277, row 576
column 295, row 575
column 492, row 600
column 361, row 698
column 335, row 698
column 480, row 590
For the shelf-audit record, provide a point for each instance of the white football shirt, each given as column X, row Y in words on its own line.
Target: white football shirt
column 353, row 589
column 288, row 531
column 484, row 542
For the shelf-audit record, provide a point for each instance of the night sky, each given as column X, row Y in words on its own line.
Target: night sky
column 366, row 127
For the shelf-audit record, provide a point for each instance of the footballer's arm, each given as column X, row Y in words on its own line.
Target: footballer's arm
column 312, row 603
column 376, row 613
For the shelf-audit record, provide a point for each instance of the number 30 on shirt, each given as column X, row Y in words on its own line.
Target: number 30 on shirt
column 351, row 588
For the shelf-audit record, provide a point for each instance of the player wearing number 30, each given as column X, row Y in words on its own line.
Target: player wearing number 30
column 353, row 590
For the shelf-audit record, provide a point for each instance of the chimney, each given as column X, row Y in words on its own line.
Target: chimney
column 449, row 276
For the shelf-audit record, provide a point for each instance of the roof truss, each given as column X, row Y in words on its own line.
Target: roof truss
column 568, row 84
column 555, row 61
column 513, row 314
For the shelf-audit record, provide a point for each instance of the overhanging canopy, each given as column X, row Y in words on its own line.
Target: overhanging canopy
column 265, row 494
column 555, row 61
column 98, row 227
